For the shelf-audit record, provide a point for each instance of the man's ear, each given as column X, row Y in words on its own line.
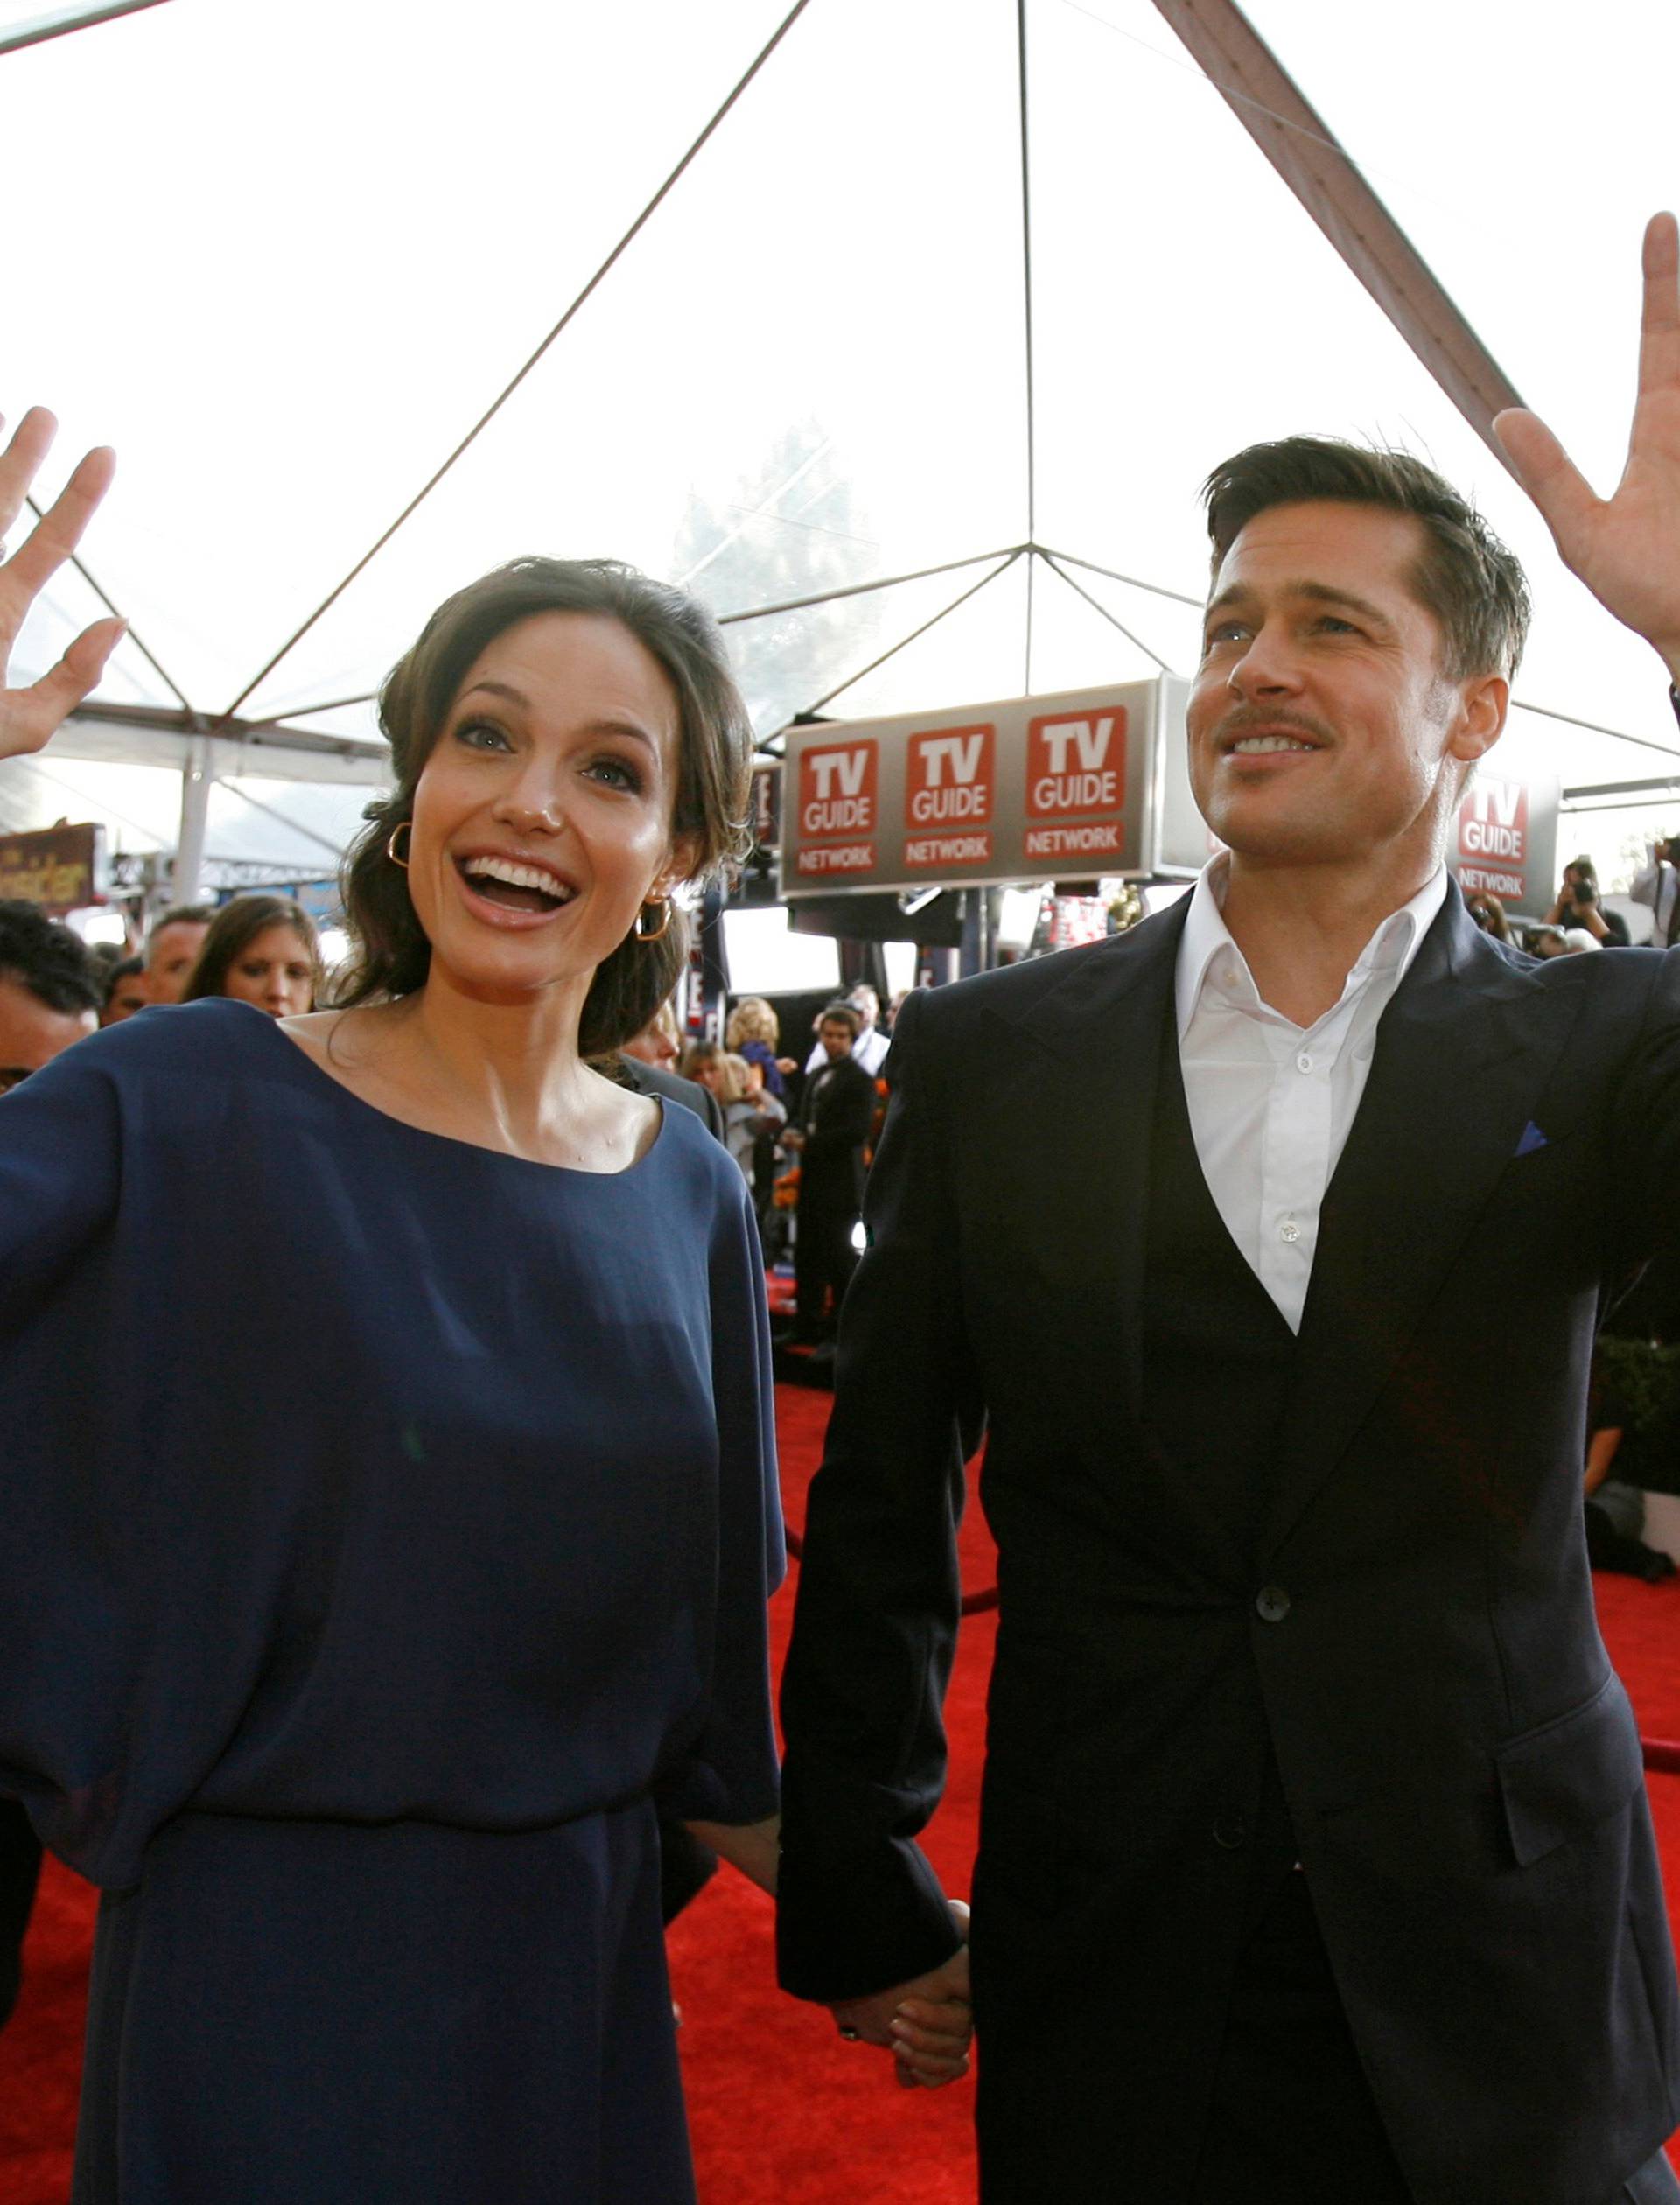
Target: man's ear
column 1483, row 704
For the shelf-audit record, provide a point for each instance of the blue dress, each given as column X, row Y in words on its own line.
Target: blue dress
column 386, row 1526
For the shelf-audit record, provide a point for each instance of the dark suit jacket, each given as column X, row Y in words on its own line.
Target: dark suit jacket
column 835, row 1113
column 653, row 1079
column 1414, row 1639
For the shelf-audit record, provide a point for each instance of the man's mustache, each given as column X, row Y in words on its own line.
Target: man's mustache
column 1253, row 719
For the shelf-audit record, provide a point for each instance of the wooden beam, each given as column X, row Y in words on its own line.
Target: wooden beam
column 1306, row 154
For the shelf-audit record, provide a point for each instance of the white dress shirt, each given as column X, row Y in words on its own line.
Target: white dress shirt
column 1271, row 1103
column 870, row 1049
column 1655, row 885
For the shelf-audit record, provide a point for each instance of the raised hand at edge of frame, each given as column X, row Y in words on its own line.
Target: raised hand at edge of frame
column 1625, row 548
column 29, row 716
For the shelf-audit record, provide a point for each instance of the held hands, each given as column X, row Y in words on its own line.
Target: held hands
column 29, row 716
column 1627, row 548
column 926, row 2024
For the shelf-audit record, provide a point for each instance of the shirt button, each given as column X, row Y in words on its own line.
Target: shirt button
column 1231, row 1831
column 1271, row 1603
column 1303, row 1063
column 1290, row 1231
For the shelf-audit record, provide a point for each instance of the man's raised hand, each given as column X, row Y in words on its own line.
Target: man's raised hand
column 1627, row 548
column 29, row 716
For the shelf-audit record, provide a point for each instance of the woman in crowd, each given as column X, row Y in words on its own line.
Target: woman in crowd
column 749, row 1112
column 357, row 1685
column 752, row 1032
column 260, row 949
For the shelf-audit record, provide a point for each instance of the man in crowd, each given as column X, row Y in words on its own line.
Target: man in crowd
column 1657, row 885
column 125, row 990
column 869, row 1044
column 48, row 999
column 1315, row 1858
column 835, row 1115
column 48, row 995
column 172, row 950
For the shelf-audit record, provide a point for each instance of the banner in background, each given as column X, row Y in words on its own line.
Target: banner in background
column 1507, row 839
column 63, row 869
column 1028, row 788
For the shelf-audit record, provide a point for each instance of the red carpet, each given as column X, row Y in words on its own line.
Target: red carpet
column 782, row 2113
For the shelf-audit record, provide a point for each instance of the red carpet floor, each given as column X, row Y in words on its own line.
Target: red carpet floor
column 782, row 2113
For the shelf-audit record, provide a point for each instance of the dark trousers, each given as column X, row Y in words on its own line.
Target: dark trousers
column 1292, row 2121
column 20, row 1867
column 823, row 1259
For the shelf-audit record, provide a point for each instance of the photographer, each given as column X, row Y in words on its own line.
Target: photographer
column 1578, row 905
column 1656, row 885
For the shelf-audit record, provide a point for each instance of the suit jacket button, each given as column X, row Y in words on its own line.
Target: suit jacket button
column 1231, row 1831
column 1271, row 1603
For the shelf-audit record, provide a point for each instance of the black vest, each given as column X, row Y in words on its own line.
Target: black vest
column 1219, row 1372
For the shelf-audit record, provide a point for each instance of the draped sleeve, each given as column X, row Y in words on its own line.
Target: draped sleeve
column 68, row 1634
column 730, row 1772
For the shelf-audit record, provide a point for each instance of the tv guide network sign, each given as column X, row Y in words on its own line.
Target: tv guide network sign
column 1507, row 839
column 1032, row 789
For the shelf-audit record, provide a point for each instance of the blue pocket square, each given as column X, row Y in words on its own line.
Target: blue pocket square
column 1532, row 1139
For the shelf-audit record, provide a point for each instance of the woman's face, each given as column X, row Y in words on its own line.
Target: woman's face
column 710, row 1074
column 542, row 816
column 274, row 971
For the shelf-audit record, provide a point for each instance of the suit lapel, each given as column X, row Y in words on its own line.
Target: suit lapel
column 1462, row 1054
column 1106, row 1022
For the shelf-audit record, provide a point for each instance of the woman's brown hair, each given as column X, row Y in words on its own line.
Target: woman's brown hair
column 232, row 931
column 714, row 765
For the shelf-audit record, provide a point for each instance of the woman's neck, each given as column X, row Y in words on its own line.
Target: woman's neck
column 500, row 1075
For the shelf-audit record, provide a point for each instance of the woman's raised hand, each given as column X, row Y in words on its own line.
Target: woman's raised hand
column 29, row 716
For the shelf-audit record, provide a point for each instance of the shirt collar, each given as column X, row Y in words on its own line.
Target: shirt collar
column 1390, row 950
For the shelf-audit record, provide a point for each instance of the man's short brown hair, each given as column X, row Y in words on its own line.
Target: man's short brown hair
column 1466, row 578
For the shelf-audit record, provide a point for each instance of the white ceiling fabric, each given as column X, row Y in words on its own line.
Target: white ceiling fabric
column 286, row 255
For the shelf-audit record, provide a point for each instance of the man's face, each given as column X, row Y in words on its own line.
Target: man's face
column 836, row 1037
column 129, row 996
column 171, row 957
column 31, row 1033
column 1321, row 728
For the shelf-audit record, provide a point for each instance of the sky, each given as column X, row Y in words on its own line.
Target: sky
column 284, row 257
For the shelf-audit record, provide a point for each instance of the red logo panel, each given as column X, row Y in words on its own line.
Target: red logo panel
column 838, row 789
column 1077, row 766
column 950, row 777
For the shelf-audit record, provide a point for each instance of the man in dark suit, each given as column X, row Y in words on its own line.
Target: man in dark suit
column 1315, row 1861
column 835, row 1115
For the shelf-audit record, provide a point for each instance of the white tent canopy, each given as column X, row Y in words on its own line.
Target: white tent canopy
column 284, row 257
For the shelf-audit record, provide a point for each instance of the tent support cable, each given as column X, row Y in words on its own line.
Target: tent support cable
column 104, row 597
column 1026, row 324
column 1097, row 606
column 1007, row 561
column 496, row 405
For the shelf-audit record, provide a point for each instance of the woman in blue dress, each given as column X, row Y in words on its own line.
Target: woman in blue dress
column 357, row 1682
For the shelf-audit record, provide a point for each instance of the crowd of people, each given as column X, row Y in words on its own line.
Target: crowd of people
column 55, row 988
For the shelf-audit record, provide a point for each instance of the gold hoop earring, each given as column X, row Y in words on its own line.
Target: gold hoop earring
column 390, row 847
column 658, row 933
